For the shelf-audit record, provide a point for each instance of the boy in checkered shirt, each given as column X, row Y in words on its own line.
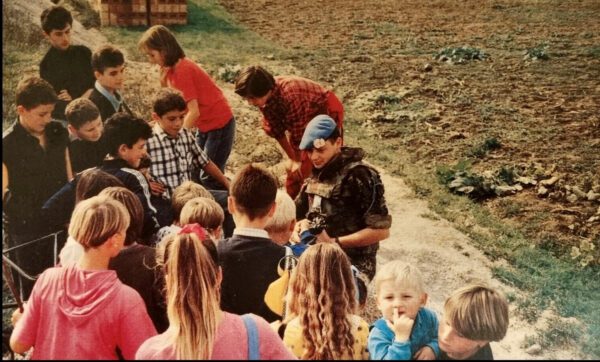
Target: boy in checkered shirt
column 176, row 157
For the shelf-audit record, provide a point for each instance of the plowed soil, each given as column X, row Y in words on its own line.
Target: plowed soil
column 545, row 113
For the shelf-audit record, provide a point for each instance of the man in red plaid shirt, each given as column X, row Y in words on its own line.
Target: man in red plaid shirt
column 288, row 103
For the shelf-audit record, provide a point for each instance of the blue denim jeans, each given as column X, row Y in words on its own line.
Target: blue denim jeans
column 217, row 144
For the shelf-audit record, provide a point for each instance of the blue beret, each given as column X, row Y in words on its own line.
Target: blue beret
column 322, row 126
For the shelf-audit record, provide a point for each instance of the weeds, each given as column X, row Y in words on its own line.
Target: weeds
column 460, row 55
column 481, row 150
column 537, row 53
column 559, row 333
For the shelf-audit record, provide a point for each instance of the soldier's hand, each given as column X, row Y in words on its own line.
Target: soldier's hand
column 323, row 237
column 298, row 229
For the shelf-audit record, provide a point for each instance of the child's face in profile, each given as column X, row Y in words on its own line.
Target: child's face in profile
column 90, row 131
column 402, row 296
column 155, row 56
column 60, row 39
column 454, row 344
column 36, row 119
column 112, row 78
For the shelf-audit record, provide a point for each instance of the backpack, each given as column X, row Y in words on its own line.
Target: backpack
column 253, row 338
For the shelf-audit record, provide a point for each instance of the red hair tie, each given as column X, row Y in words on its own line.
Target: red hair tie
column 194, row 229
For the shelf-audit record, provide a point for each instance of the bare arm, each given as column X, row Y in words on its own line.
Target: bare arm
column 87, row 93
column 18, row 347
column 68, row 164
column 363, row 237
column 287, row 147
column 214, row 171
column 4, row 179
column 192, row 114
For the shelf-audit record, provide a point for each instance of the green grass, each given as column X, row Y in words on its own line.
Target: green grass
column 211, row 37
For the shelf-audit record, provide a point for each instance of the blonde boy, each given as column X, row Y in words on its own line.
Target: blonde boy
column 205, row 212
column 473, row 316
column 407, row 329
column 181, row 195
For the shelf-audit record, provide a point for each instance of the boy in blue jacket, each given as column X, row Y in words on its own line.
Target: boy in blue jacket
column 407, row 329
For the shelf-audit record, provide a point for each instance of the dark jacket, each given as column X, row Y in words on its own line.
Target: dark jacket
column 352, row 197
column 137, row 183
column 69, row 69
column 105, row 107
column 249, row 266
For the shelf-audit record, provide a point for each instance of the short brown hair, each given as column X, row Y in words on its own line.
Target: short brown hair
column 184, row 193
column 167, row 100
column 92, row 181
column 107, row 56
column 55, row 18
column 160, row 38
column 478, row 312
column 97, row 219
column 80, row 111
column 254, row 189
column 133, row 205
column 35, row 91
column 254, row 82
column 203, row 211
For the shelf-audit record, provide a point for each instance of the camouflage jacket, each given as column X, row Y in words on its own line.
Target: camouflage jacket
column 352, row 197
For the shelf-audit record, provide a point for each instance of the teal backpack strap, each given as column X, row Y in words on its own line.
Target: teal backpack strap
column 253, row 343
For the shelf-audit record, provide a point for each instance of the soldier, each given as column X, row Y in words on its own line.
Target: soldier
column 343, row 200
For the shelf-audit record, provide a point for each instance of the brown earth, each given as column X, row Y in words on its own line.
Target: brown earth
column 546, row 114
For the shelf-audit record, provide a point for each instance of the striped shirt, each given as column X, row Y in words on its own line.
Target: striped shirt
column 174, row 160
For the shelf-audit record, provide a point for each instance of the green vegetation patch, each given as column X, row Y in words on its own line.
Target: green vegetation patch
column 460, row 55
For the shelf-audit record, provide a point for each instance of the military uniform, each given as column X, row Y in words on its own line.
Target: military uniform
column 350, row 196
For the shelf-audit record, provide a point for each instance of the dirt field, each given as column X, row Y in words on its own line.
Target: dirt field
column 545, row 113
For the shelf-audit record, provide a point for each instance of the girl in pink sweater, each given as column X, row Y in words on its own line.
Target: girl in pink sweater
column 198, row 328
column 83, row 311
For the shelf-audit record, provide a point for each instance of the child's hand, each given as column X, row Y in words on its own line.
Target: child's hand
column 156, row 188
column 163, row 76
column 64, row 95
column 402, row 326
column 425, row 353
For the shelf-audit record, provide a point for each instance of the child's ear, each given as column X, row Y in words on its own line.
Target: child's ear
column 122, row 150
column 21, row 110
column 155, row 116
column 424, row 297
column 72, row 130
column 97, row 74
column 231, row 204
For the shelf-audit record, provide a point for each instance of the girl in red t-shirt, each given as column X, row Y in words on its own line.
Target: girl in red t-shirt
column 208, row 109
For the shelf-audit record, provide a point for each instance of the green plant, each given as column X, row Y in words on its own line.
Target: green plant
column 587, row 252
column 539, row 52
column 559, row 333
column 481, row 150
column 460, row 55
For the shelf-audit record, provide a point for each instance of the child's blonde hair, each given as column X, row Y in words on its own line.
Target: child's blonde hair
column 323, row 298
column 184, row 193
column 202, row 211
column 401, row 273
column 478, row 312
column 285, row 213
column 160, row 38
column 192, row 277
column 96, row 219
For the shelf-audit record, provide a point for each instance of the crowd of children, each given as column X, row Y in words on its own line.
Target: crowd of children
column 163, row 257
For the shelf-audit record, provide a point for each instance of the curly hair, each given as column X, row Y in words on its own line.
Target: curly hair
column 322, row 288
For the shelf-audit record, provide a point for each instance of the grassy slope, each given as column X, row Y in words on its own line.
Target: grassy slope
column 214, row 39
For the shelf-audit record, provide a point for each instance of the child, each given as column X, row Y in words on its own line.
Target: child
column 288, row 103
column 83, row 311
column 208, row 109
column 249, row 258
column 199, row 329
column 66, row 67
column 176, row 155
column 109, row 69
column 35, row 164
column 126, row 137
column 323, row 307
column 85, row 125
column 407, row 329
column 136, row 264
column 281, row 226
column 205, row 212
column 473, row 316
column 182, row 194
column 86, row 184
